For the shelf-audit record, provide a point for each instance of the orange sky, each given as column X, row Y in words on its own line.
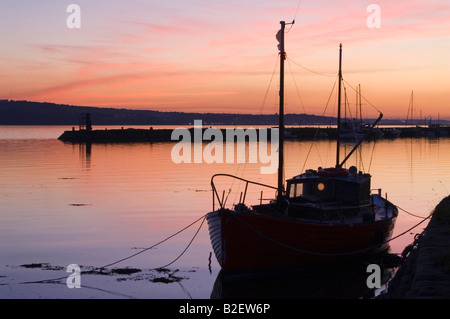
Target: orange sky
column 204, row 56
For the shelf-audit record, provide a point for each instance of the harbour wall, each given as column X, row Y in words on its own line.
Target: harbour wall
column 425, row 270
column 291, row 133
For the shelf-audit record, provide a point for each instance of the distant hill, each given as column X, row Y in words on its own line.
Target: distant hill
column 37, row 113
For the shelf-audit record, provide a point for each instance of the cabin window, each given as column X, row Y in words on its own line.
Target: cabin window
column 311, row 190
column 296, row 190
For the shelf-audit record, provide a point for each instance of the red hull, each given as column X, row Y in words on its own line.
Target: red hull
column 249, row 240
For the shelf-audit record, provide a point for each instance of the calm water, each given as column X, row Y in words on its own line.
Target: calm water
column 67, row 204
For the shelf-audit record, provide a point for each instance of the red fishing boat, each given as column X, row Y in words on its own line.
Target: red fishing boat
column 323, row 214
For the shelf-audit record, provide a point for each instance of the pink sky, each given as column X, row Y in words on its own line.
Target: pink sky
column 219, row 56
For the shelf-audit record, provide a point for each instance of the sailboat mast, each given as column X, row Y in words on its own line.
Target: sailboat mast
column 360, row 104
column 281, row 116
column 338, row 146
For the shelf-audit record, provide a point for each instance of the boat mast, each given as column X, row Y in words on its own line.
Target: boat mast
column 280, row 37
column 338, row 146
column 338, row 163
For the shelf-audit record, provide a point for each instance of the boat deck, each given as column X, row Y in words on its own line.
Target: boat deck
column 334, row 213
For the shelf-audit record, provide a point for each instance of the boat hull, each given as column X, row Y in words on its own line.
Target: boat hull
column 250, row 240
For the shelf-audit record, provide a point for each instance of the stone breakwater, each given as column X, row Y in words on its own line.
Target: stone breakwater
column 131, row 135
column 425, row 272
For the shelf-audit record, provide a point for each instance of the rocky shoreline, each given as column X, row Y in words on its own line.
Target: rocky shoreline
column 425, row 271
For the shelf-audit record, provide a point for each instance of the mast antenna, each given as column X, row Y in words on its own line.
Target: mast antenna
column 338, row 146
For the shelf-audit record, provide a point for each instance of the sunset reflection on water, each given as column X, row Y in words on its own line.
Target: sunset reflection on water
column 92, row 204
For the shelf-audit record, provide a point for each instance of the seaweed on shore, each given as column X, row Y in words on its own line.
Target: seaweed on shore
column 125, row 271
column 43, row 266
column 159, row 275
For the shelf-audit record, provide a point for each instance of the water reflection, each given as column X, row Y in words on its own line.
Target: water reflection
column 85, row 151
column 343, row 280
column 62, row 204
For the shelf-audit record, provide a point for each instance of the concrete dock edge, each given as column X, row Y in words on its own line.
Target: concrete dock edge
column 425, row 271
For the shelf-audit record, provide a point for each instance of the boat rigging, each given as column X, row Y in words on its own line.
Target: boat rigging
column 323, row 214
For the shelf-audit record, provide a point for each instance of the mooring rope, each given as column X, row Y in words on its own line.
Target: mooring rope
column 409, row 213
column 203, row 218
column 415, row 226
column 162, row 241
column 328, row 254
column 298, row 249
column 56, row 280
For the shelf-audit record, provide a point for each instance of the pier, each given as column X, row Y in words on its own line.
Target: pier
column 425, row 272
column 130, row 135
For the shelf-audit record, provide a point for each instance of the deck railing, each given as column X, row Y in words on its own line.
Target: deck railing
column 222, row 200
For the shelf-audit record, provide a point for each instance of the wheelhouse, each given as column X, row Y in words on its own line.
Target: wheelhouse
column 347, row 187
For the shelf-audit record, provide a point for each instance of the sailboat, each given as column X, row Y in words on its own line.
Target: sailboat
column 321, row 215
column 355, row 129
column 414, row 129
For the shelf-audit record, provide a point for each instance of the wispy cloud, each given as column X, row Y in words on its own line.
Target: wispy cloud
column 221, row 54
